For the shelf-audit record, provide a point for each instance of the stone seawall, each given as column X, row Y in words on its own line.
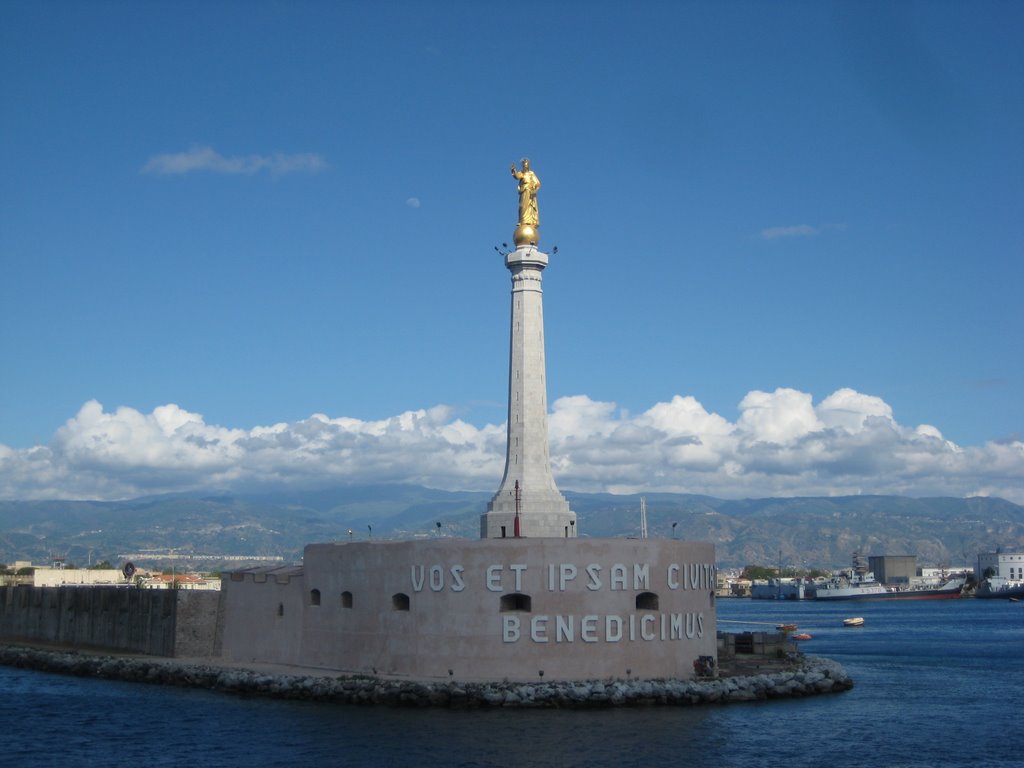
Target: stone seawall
column 196, row 624
column 807, row 676
column 157, row 622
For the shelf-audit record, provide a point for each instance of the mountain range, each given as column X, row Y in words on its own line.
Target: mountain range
column 805, row 532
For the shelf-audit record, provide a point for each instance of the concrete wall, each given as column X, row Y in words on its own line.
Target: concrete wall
column 764, row 644
column 262, row 615
column 195, row 626
column 521, row 609
column 111, row 618
column 894, row 569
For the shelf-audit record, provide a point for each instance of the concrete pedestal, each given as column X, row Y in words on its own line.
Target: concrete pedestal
column 516, row 609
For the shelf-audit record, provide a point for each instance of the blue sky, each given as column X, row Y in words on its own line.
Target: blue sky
column 218, row 220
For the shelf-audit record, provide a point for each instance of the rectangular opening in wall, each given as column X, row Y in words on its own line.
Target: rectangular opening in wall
column 516, row 602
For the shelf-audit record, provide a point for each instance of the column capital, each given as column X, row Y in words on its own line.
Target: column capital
column 526, row 257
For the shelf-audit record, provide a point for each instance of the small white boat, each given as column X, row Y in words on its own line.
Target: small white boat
column 856, row 621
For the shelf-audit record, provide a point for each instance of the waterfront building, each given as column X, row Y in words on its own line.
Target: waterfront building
column 723, row 584
column 893, row 569
column 938, row 574
column 1002, row 565
column 1000, row 575
column 45, row 576
column 189, row 581
column 778, row 589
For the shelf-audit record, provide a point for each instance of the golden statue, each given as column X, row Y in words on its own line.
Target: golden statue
column 529, row 217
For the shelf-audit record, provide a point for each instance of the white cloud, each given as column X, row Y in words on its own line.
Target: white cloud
column 848, row 409
column 799, row 230
column 782, row 443
column 206, row 159
column 777, row 417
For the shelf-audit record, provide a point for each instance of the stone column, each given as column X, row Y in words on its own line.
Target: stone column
column 544, row 512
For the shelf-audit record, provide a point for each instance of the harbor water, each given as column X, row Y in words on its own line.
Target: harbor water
column 937, row 683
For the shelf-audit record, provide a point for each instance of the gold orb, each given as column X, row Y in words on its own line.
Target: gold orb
column 526, row 234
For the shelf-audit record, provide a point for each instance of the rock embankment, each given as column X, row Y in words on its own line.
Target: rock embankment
column 809, row 676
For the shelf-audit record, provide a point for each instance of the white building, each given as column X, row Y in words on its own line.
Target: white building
column 44, row 576
column 1003, row 565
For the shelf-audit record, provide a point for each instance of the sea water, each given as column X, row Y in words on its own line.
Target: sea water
column 937, row 683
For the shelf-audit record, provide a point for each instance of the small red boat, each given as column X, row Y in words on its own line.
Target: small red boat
column 802, row 636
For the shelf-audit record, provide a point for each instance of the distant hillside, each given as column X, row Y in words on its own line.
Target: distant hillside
column 805, row 532
column 818, row 532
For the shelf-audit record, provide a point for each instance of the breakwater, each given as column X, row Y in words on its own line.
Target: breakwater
column 157, row 622
column 807, row 676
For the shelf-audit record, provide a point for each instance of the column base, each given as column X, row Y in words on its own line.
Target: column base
column 538, row 518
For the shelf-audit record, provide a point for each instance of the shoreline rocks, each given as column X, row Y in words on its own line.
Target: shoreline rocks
column 810, row 675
